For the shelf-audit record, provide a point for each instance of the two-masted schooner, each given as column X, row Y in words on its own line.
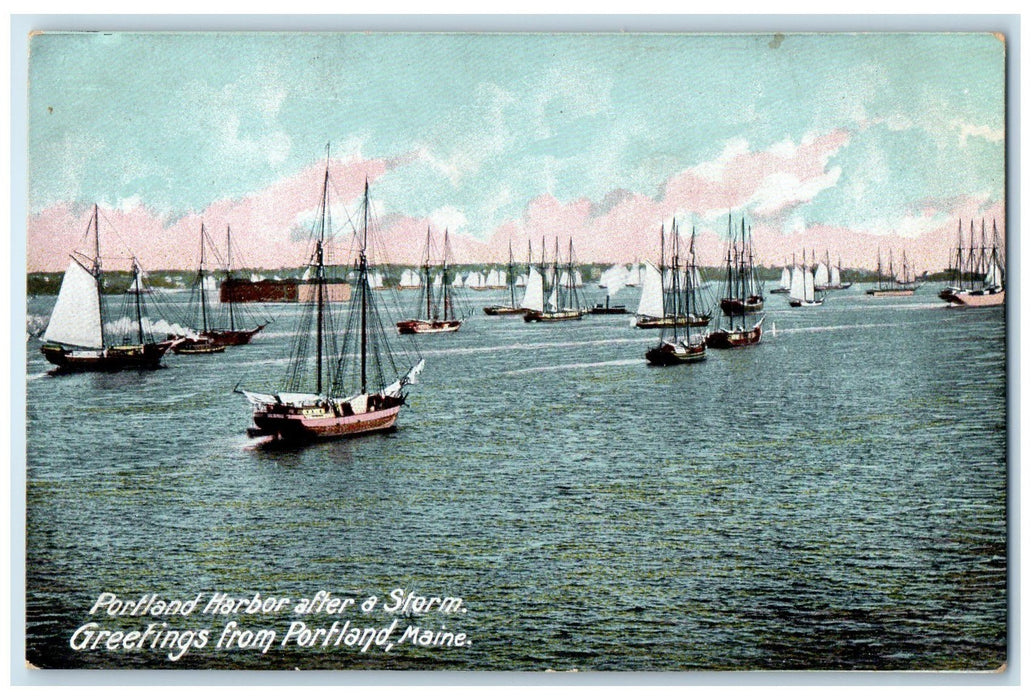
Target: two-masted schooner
column 209, row 337
column 76, row 338
column 436, row 312
column 509, row 309
column 351, row 385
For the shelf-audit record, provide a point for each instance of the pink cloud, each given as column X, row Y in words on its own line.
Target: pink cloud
column 270, row 226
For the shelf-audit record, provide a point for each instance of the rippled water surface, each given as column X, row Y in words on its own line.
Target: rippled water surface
column 833, row 498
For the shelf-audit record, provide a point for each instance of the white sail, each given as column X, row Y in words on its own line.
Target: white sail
column 822, row 276
column 797, row 288
column 438, row 281
column 521, row 281
column 474, row 280
column 994, row 276
column 785, row 279
column 553, row 300
column 493, row 278
column 651, row 293
column 563, row 279
column 809, row 285
column 578, row 280
column 409, row 278
column 835, row 276
column 76, row 316
column 533, row 298
column 502, row 278
column 458, row 282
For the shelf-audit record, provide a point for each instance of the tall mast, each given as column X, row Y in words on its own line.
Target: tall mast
column 444, row 280
column 426, row 276
column 97, row 273
column 139, row 302
column 511, row 273
column 229, row 274
column 319, row 280
column 363, row 271
column 662, row 265
column 571, row 285
column 675, row 272
column 200, row 279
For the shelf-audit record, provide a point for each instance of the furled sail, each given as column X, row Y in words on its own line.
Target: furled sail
column 76, row 317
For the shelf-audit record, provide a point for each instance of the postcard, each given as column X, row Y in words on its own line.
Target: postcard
column 516, row 351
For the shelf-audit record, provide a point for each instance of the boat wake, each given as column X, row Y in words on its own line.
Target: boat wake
column 852, row 326
column 531, row 346
column 575, row 365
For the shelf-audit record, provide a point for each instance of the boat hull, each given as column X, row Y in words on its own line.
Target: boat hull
column 234, row 337
column 890, row 292
column 977, row 299
column 112, row 359
column 667, row 354
column 552, row 316
column 605, row 310
column 291, row 424
column 669, row 321
column 204, row 346
column 502, row 311
column 739, row 307
column 419, row 326
column 796, row 303
column 724, row 339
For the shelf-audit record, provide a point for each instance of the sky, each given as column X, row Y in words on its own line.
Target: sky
column 839, row 143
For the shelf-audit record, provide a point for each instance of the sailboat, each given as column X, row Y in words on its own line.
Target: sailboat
column 208, row 338
column 827, row 277
column 677, row 349
column 785, row 282
column 743, row 292
column 742, row 297
column 981, row 282
column 439, row 308
column 655, row 308
column 345, row 392
column 76, row 339
column 891, row 285
column 803, row 286
column 511, row 279
column 563, row 301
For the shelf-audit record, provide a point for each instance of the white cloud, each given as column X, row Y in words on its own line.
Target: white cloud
column 450, row 218
column 777, row 190
column 714, row 169
column 979, row 131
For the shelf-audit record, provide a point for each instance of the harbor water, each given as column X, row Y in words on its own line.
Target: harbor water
column 833, row 498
